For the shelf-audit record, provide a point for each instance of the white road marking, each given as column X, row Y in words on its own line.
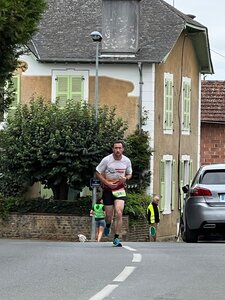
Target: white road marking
column 137, row 257
column 124, row 274
column 129, row 248
column 105, row 292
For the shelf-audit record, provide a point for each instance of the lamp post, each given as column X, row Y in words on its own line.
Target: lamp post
column 96, row 37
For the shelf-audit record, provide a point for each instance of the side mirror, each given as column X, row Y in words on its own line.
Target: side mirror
column 185, row 188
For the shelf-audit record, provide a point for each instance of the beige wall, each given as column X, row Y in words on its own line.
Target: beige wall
column 181, row 62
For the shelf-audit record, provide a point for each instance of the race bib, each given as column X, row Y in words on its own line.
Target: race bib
column 119, row 193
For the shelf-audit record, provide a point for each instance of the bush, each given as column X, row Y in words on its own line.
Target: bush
column 136, row 205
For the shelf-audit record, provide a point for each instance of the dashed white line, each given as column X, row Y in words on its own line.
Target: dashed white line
column 137, row 257
column 106, row 291
column 129, row 248
column 124, row 274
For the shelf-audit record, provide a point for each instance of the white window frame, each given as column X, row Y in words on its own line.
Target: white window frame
column 185, row 175
column 70, row 72
column 185, row 130
column 168, row 192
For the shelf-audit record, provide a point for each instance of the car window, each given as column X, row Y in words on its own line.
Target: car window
column 213, row 177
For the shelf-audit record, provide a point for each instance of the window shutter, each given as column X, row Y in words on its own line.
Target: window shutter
column 186, row 105
column 77, row 88
column 162, row 185
column 190, row 171
column 62, row 90
column 173, row 185
column 181, row 184
column 168, row 104
column 16, row 98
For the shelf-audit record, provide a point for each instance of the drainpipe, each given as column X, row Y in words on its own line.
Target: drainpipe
column 140, row 97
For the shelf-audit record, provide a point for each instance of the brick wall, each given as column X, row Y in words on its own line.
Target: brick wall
column 64, row 227
column 212, row 143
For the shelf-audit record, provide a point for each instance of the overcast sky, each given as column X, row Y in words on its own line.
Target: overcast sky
column 210, row 14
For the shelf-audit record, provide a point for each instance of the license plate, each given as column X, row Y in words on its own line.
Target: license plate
column 222, row 197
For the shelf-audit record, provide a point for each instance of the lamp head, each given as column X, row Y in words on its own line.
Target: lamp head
column 96, row 36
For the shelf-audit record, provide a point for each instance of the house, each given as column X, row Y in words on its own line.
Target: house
column 151, row 58
column 212, row 121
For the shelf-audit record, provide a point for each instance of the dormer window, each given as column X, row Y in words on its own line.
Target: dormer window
column 120, row 26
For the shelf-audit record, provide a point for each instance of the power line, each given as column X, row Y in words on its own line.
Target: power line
column 218, row 53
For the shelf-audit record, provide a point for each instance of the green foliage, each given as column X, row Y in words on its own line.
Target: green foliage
column 18, row 22
column 136, row 205
column 139, row 151
column 58, row 147
column 21, row 205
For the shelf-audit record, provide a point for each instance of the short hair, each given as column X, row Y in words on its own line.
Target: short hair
column 118, row 142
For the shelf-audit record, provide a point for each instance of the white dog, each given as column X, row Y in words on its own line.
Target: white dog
column 82, row 238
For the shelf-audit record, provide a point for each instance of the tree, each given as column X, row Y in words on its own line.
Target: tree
column 58, row 147
column 18, row 22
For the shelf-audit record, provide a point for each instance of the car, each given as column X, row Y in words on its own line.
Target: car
column 204, row 204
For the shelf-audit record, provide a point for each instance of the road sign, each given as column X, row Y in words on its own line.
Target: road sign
column 95, row 182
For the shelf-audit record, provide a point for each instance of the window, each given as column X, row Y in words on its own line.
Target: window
column 186, row 103
column 185, row 175
column 69, row 85
column 168, row 104
column 167, row 184
column 120, row 26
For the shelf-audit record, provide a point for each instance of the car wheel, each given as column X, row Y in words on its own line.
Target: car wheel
column 191, row 235
column 183, row 236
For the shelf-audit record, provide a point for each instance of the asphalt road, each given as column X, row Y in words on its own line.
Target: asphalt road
column 34, row 270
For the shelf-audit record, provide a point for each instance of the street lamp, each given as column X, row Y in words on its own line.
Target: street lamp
column 96, row 37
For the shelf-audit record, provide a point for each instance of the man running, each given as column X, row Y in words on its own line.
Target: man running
column 113, row 172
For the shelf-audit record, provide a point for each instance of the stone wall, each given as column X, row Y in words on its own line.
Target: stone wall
column 65, row 227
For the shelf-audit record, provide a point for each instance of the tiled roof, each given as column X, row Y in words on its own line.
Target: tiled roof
column 213, row 101
column 64, row 32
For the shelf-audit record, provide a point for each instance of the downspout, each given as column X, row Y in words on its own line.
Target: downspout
column 140, row 97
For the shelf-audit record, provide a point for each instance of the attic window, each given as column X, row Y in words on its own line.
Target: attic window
column 120, row 26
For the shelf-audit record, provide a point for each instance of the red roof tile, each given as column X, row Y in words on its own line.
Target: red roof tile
column 213, row 101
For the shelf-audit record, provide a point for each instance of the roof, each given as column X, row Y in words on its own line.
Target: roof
column 213, row 101
column 64, row 33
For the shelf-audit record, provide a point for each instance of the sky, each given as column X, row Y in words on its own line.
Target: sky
column 209, row 13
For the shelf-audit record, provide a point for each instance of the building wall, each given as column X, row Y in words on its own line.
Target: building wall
column 181, row 62
column 212, row 143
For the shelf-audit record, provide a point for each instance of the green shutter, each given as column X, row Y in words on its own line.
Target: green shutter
column 62, row 90
column 77, row 88
column 181, row 184
column 186, row 105
column 162, row 185
column 174, row 185
column 16, row 98
column 69, row 88
column 168, row 104
column 190, row 171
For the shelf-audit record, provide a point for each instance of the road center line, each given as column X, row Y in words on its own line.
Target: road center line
column 106, row 291
column 129, row 248
column 124, row 274
column 137, row 257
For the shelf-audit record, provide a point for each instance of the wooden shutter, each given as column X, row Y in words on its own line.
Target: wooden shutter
column 62, row 90
column 168, row 104
column 76, row 88
column 181, row 184
column 16, row 98
column 173, row 185
column 186, row 105
column 162, row 185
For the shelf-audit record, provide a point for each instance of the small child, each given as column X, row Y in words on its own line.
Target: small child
column 153, row 217
column 98, row 210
